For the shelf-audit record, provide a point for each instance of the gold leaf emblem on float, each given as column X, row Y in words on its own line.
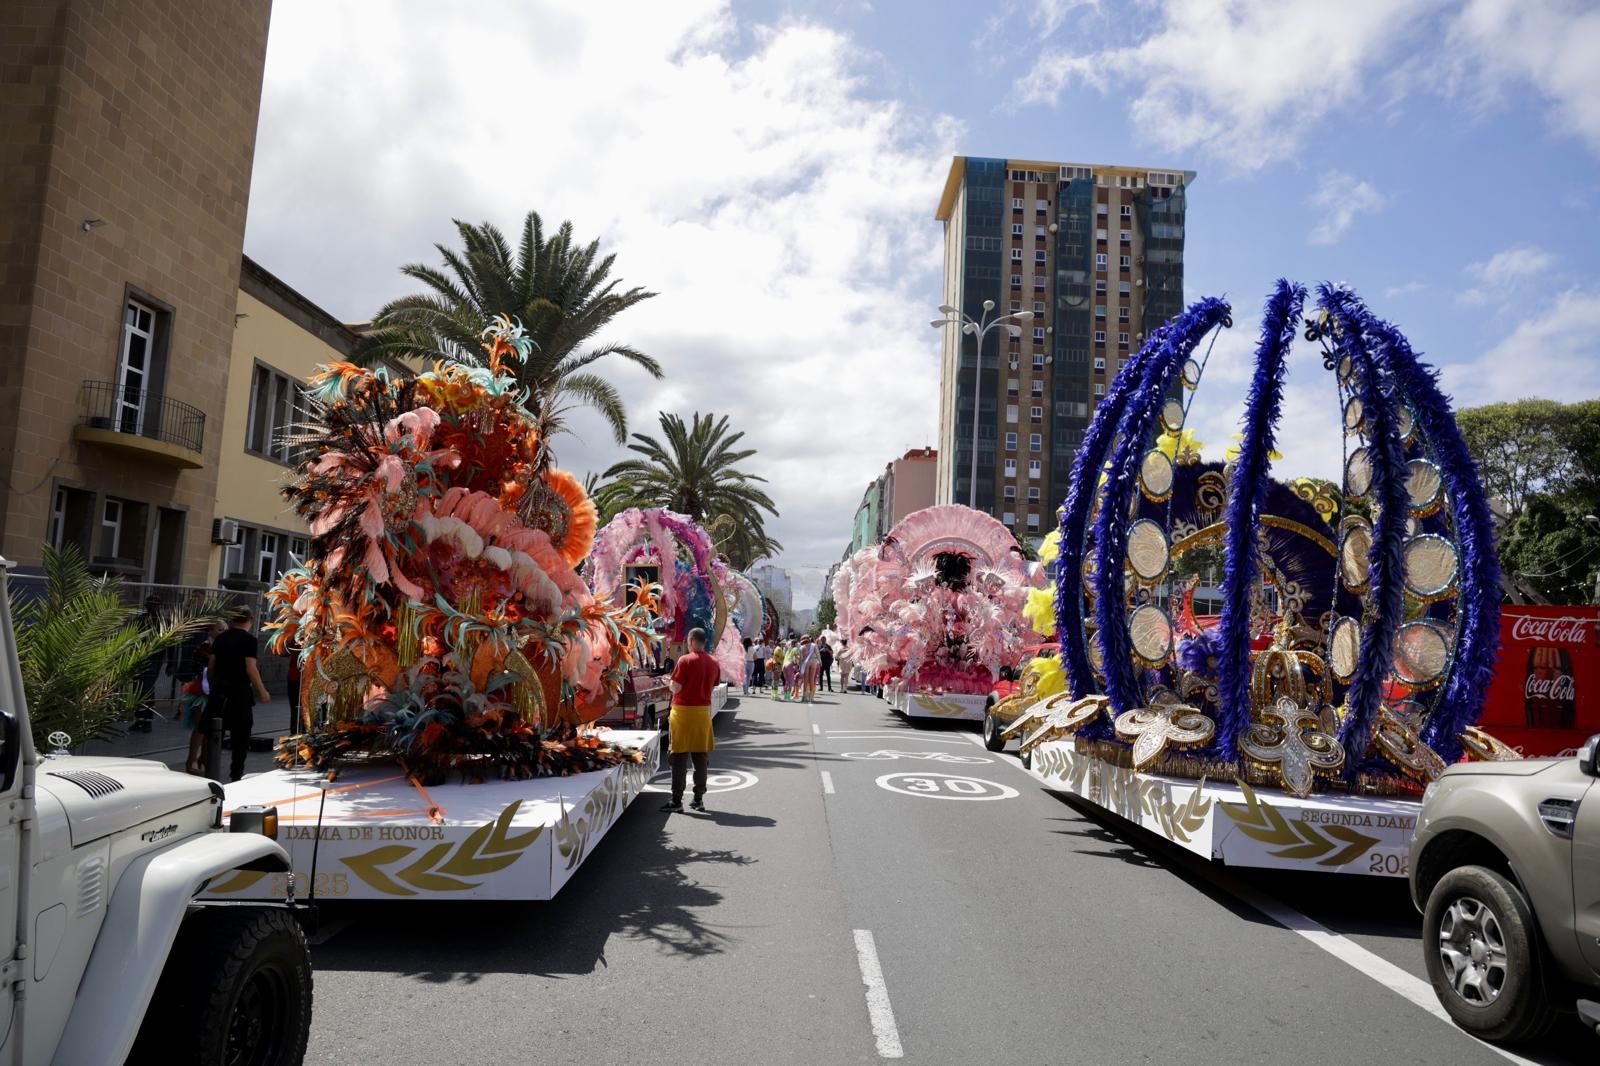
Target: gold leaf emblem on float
column 1296, row 840
column 1153, row 729
column 397, row 869
column 1289, row 740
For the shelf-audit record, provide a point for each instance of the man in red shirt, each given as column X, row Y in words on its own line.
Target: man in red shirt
column 693, row 677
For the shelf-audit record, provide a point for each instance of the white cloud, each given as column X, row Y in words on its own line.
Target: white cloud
column 1407, row 289
column 1504, row 274
column 1551, row 354
column 1341, row 197
column 1245, row 78
column 1248, row 80
column 783, row 215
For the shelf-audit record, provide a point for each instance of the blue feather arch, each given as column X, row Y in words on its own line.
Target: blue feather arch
column 1246, row 498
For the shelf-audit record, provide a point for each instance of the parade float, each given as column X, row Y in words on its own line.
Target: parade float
column 1359, row 619
column 643, row 547
column 931, row 612
column 452, row 658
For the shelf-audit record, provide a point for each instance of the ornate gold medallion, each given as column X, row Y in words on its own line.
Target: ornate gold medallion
column 1153, row 729
column 1399, row 742
column 1057, row 717
column 1289, row 740
column 1485, row 748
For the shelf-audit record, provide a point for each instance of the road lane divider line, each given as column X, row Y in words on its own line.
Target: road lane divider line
column 884, row 1032
column 827, row 783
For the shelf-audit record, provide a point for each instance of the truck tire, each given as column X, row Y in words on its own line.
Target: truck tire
column 1484, row 956
column 992, row 740
column 236, row 991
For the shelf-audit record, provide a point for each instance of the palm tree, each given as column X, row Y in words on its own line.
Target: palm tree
column 559, row 291
column 83, row 651
column 696, row 472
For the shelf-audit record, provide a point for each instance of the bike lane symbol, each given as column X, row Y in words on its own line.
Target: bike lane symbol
column 927, row 756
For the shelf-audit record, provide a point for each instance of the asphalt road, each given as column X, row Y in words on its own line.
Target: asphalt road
column 1019, row 928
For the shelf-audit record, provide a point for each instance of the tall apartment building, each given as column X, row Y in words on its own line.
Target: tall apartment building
column 1096, row 253
column 129, row 133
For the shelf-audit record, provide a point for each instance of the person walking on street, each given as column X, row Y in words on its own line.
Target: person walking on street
column 236, row 686
column 195, row 693
column 791, row 669
column 693, row 677
column 749, row 664
column 810, row 666
column 760, row 653
column 825, row 653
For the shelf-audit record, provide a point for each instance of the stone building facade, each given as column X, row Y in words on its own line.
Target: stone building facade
column 128, row 134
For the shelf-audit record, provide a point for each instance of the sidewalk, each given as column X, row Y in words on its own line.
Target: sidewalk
column 168, row 742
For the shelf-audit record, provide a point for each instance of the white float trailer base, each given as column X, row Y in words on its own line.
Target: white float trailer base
column 719, row 701
column 1239, row 825
column 381, row 837
column 950, row 707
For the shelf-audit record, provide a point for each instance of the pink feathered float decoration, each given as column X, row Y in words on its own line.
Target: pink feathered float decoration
column 938, row 603
column 698, row 588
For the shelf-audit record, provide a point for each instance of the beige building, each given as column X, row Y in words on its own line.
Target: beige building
column 1095, row 253
column 279, row 340
column 129, row 133
column 907, row 484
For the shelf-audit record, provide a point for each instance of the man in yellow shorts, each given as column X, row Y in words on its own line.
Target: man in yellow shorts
column 693, row 677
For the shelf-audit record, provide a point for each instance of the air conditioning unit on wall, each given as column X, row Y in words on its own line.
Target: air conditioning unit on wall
column 224, row 530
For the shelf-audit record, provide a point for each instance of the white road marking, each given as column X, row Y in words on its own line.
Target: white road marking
column 327, row 931
column 926, row 785
column 827, row 783
column 878, row 1007
column 716, row 781
column 816, row 730
column 883, row 755
column 1381, row 970
column 906, row 735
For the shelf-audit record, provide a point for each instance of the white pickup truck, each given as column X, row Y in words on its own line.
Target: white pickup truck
column 108, row 953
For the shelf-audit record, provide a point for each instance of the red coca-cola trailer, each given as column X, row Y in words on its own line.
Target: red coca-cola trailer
column 1545, row 697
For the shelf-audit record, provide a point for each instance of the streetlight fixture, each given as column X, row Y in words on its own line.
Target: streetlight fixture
column 979, row 328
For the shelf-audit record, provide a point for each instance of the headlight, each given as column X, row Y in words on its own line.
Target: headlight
column 254, row 819
column 1427, row 793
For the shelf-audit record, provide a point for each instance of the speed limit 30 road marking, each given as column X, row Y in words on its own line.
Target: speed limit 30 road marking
column 945, row 786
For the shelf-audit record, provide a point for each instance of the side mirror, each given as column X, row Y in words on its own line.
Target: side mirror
column 1589, row 756
column 10, row 749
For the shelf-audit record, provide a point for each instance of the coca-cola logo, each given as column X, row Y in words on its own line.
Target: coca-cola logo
column 1568, row 629
column 1560, row 687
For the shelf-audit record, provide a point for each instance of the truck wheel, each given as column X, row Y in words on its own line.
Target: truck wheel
column 236, row 991
column 1483, row 956
column 992, row 740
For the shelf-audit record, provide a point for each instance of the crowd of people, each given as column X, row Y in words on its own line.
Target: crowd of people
column 795, row 668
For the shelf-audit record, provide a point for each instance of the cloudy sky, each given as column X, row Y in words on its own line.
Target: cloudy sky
column 771, row 169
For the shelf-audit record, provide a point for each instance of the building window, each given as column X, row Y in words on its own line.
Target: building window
column 1016, row 204
column 1038, row 386
column 1009, row 518
column 135, row 365
column 1034, row 466
column 1016, row 255
column 1038, row 231
column 1038, row 307
column 1123, row 287
column 1011, row 442
column 1016, row 305
column 1033, row 520
column 1127, row 210
column 1011, row 468
column 1122, row 338
column 110, row 544
column 1016, row 229
column 298, row 549
column 1011, row 412
column 1010, row 492
column 1100, row 260
column 1099, row 310
column 1127, row 261
column 1038, row 333
column 1100, row 363
column 1011, row 386
column 266, row 558
column 1036, row 414
column 1127, row 238
column 1033, row 492
column 233, row 553
column 1042, row 205
column 277, row 404
column 1099, row 338
column 1122, row 313
column 1039, row 256
column 1035, row 443
column 1038, row 284
column 1016, row 281
column 1099, row 388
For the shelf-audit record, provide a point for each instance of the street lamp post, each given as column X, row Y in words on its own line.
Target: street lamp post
column 978, row 328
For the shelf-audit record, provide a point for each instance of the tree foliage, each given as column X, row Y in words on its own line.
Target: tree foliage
column 1541, row 460
column 694, row 469
column 827, row 614
column 561, row 292
column 83, row 649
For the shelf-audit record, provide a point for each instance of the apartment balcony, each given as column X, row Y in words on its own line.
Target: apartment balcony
column 141, row 425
